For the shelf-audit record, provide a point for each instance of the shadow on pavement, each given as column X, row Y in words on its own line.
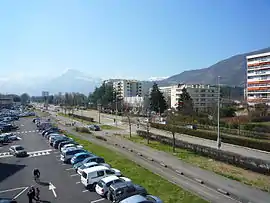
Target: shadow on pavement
column 7, row 170
column 42, row 183
column 44, row 201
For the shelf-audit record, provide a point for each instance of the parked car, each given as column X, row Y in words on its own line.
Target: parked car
column 12, row 137
column 80, row 157
column 58, row 141
column 91, row 176
column 94, row 127
column 7, row 200
column 90, row 165
column 66, row 157
column 66, row 142
column 51, row 130
column 103, row 185
column 17, row 150
column 3, row 138
column 142, row 199
column 120, row 191
column 71, row 148
column 94, row 158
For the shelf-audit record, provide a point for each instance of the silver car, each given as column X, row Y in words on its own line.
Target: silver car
column 140, row 198
column 17, row 150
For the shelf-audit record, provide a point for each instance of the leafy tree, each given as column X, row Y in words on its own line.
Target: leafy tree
column 25, row 98
column 261, row 109
column 16, row 98
column 157, row 100
column 185, row 103
column 227, row 112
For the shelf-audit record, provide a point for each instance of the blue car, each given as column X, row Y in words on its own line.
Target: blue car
column 92, row 158
column 80, row 157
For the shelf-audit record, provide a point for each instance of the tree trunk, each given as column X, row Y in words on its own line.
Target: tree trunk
column 148, row 134
column 129, row 123
column 173, row 134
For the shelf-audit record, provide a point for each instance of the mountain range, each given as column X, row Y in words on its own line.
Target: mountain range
column 232, row 71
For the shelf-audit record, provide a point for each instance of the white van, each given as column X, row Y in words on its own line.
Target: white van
column 91, row 176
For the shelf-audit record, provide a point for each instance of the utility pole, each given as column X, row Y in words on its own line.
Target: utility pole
column 218, row 116
column 116, row 109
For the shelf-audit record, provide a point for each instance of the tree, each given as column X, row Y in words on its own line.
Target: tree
column 185, row 103
column 16, row 98
column 157, row 100
column 227, row 112
column 171, row 120
column 25, row 98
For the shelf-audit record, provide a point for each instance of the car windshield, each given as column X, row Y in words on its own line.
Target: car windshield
column 19, row 148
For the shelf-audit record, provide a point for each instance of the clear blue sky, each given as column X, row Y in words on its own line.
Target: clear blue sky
column 128, row 38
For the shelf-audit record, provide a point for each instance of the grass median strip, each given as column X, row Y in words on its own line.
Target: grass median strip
column 109, row 127
column 154, row 184
column 248, row 177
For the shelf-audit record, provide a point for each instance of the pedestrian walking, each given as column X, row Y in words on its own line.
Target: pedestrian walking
column 37, row 194
column 31, row 194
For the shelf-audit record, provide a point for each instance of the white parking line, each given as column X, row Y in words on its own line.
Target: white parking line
column 98, row 200
column 78, row 182
column 68, row 169
column 85, row 191
column 20, row 193
column 13, row 189
column 74, row 175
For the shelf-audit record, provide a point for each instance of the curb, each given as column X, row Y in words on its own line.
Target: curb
column 223, row 191
column 199, row 180
column 179, row 172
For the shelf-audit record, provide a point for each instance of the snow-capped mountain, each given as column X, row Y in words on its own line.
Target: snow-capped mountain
column 157, row 78
column 70, row 81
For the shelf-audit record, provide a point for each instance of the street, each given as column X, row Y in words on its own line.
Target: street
column 248, row 152
column 58, row 181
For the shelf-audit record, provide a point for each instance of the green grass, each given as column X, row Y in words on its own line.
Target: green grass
column 154, row 184
column 248, row 177
column 109, row 127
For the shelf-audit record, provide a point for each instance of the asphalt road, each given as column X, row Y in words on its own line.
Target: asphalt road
column 248, row 152
column 16, row 173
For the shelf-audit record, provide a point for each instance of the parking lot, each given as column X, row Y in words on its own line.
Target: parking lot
column 58, row 181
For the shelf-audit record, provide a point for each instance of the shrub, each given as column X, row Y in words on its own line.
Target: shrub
column 261, row 119
column 82, row 117
column 246, row 142
column 82, row 130
column 101, row 138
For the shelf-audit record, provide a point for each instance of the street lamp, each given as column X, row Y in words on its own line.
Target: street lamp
column 218, row 116
column 99, row 108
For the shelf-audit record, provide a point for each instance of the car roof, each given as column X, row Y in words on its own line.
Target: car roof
column 96, row 168
column 119, row 185
column 81, row 153
column 90, row 164
column 15, row 146
column 109, row 179
column 134, row 198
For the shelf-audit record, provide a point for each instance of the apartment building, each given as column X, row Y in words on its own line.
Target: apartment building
column 258, row 78
column 204, row 96
column 128, row 88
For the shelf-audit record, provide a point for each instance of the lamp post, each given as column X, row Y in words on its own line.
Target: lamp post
column 116, row 109
column 99, row 108
column 218, row 116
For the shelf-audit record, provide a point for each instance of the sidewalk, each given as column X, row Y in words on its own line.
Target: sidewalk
column 233, row 187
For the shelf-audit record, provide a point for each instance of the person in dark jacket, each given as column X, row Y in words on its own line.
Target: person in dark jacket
column 31, row 194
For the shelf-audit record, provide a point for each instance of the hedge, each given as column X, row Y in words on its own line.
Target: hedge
column 251, row 143
column 81, row 117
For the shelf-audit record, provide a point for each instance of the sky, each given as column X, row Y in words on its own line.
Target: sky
column 135, row 39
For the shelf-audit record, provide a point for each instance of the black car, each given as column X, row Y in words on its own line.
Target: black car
column 51, row 130
column 120, row 191
column 7, row 200
column 58, row 141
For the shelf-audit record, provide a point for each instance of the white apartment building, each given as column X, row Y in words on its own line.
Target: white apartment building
column 258, row 79
column 128, row 88
column 204, row 96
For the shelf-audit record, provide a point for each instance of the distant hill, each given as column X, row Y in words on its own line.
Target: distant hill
column 231, row 70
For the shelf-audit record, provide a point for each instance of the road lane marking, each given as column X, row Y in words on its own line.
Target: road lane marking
column 13, row 189
column 85, row 191
column 74, row 175
column 98, row 200
column 20, row 193
column 68, row 169
column 78, row 182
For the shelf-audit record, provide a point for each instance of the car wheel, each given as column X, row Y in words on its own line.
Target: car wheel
column 93, row 188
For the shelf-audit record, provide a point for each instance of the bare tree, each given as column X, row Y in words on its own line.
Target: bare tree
column 128, row 115
column 171, row 118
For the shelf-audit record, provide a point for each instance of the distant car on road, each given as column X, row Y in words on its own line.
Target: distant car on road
column 94, row 127
column 17, row 150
